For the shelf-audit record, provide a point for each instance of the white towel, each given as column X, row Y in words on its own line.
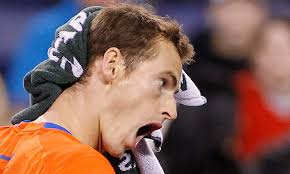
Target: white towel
column 146, row 159
column 188, row 93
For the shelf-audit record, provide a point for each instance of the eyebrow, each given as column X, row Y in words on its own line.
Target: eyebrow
column 173, row 78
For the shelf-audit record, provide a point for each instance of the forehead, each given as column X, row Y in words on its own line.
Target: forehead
column 167, row 58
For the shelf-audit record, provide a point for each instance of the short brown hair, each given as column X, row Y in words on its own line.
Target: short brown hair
column 134, row 29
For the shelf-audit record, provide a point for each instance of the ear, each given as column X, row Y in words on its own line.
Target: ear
column 112, row 64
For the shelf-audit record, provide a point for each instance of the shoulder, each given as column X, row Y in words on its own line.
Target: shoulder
column 66, row 154
column 60, row 153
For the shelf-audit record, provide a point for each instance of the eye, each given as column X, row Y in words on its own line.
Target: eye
column 176, row 91
column 162, row 83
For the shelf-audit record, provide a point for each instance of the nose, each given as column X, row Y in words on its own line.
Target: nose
column 169, row 108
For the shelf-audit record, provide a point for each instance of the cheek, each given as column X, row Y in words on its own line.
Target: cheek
column 132, row 108
column 134, row 99
column 143, row 104
column 139, row 92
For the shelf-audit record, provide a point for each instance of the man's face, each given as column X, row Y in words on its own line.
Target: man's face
column 138, row 103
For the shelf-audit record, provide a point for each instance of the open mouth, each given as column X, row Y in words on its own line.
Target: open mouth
column 148, row 129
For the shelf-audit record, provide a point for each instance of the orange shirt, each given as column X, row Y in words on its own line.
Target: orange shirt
column 46, row 148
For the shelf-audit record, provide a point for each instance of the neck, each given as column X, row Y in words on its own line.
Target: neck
column 72, row 113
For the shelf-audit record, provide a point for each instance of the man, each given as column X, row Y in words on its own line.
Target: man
column 109, row 81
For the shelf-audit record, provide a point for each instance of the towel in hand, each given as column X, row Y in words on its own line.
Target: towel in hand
column 188, row 93
column 141, row 159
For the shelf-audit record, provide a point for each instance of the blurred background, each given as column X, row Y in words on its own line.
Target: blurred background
column 242, row 67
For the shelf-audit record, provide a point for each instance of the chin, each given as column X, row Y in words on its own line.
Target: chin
column 115, row 151
column 117, row 154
